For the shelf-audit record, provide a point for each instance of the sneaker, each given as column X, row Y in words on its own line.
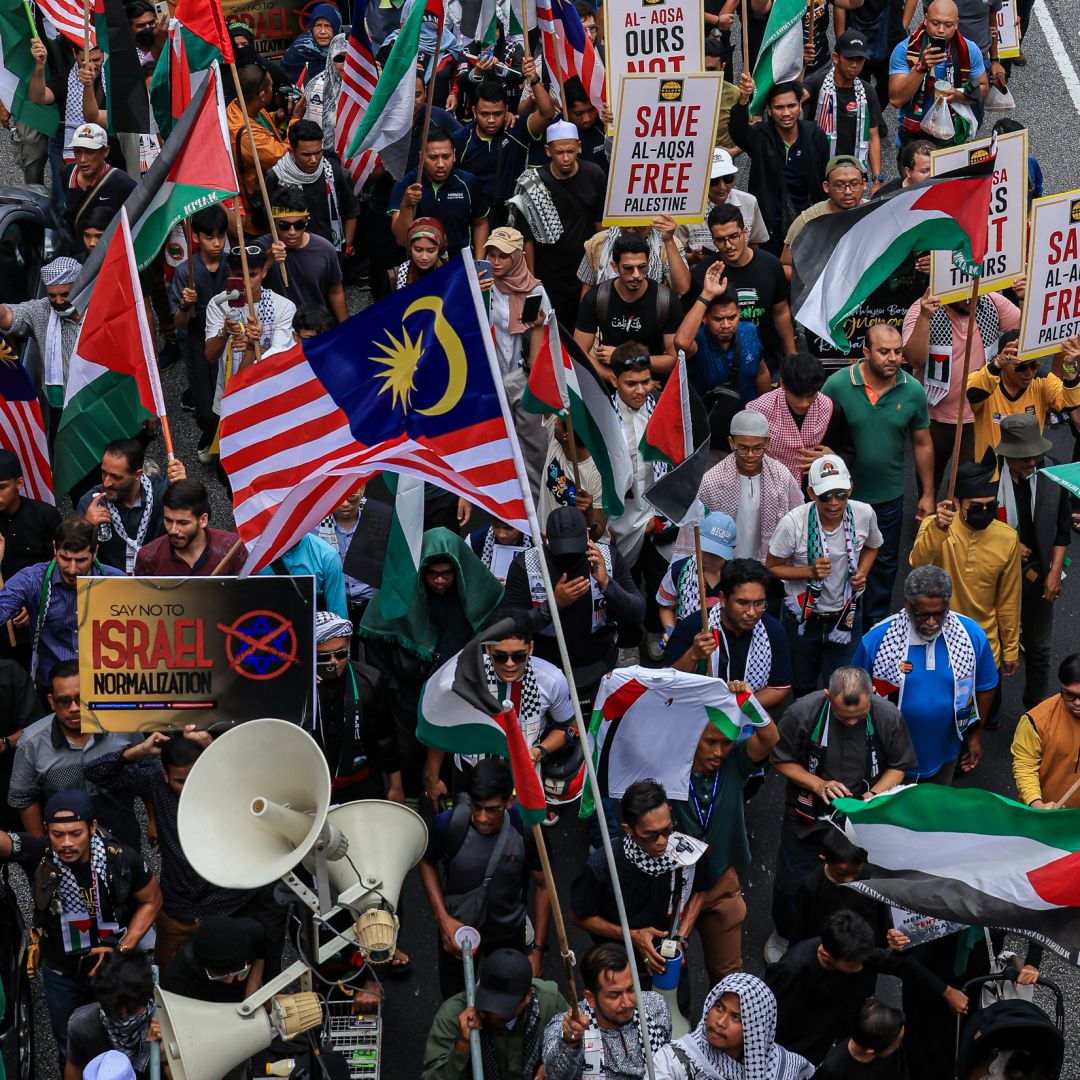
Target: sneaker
column 775, row 948
column 187, row 402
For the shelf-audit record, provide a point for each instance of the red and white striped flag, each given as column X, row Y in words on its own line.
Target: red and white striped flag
column 568, row 45
column 357, row 85
column 22, row 429
column 69, row 18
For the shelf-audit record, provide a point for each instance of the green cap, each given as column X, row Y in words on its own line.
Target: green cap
column 842, row 161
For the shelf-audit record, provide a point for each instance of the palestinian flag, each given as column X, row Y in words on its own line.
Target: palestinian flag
column 113, row 383
column 639, row 709
column 479, row 21
column 127, row 103
column 973, row 857
column 193, row 170
column 840, row 259
column 198, row 38
column 562, row 379
column 678, row 433
column 401, row 566
column 16, row 67
column 1068, row 476
column 780, row 58
column 459, row 715
column 387, row 124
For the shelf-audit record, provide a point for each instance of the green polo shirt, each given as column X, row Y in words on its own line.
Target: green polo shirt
column 878, row 431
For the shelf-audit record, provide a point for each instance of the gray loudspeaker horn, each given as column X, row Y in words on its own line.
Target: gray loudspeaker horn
column 386, row 840
column 254, row 804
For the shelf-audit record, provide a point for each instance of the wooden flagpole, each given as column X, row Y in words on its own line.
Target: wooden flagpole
column 258, row 172
column 955, row 463
column 745, row 19
column 227, row 556
column 556, row 915
column 430, row 101
column 86, row 32
column 701, row 581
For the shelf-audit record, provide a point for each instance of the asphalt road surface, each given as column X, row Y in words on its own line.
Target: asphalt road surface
column 1047, row 93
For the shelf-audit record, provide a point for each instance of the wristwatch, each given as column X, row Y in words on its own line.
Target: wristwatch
column 877, row 178
column 545, row 753
column 539, row 948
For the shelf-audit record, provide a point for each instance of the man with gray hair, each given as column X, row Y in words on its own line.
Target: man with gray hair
column 938, row 668
column 755, row 489
column 841, row 742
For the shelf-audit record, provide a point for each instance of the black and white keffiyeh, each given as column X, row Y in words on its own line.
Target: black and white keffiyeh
column 759, row 657
column 661, row 865
column 534, row 203
column 70, row 895
column 129, row 1035
column 888, row 673
column 763, row 1058
column 624, row 1054
column 529, row 707
column 487, row 553
column 136, row 542
column 532, row 1044
column 938, row 373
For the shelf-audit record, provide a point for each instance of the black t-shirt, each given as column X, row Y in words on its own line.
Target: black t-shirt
column 313, row 271
column 580, row 204
column 646, row 320
column 840, row 1065
column 32, row 850
column 847, row 110
column 27, row 535
column 111, row 193
column 759, row 285
column 186, row 974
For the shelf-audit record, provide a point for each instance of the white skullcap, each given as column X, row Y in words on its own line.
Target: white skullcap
column 561, row 129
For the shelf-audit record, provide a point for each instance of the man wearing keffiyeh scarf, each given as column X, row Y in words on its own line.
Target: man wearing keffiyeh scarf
column 606, row 1031
column 735, row 1039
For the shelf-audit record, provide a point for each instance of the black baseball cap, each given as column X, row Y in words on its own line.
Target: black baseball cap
column 851, row 45
column 505, row 979
column 70, row 805
column 567, row 531
column 10, row 465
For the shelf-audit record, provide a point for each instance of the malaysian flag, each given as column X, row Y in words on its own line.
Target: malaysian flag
column 68, row 16
column 357, row 85
column 403, row 386
column 567, row 48
column 22, row 429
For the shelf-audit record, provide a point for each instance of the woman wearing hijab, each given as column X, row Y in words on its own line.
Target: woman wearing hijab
column 426, row 246
column 311, row 48
column 734, row 1040
column 331, row 88
column 512, row 283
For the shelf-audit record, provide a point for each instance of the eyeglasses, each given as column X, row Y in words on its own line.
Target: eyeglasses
column 1069, row 695
column 847, row 185
column 749, row 451
column 728, row 241
column 64, row 700
column 654, row 834
column 834, row 496
column 757, row 605
column 224, row 976
column 297, row 224
column 1030, row 365
column 330, row 657
column 930, row 616
column 501, row 657
column 437, row 575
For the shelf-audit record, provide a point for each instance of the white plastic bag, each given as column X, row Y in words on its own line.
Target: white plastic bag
column 938, row 121
column 999, row 100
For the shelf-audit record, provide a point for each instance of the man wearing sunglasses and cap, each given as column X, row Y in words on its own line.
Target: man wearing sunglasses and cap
column 1009, row 385
column 511, row 1011
column 91, row 896
column 722, row 191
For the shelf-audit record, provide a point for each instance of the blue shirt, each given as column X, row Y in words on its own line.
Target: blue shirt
column 898, row 65
column 712, row 366
column 455, row 204
column 498, row 162
column 928, row 695
column 312, row 557
column 60, row 632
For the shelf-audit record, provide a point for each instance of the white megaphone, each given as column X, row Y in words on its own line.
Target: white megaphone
column 201, row 1040
column 254, row 804
column 386, row 840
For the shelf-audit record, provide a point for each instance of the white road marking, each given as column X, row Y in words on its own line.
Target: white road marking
column 1057, row 50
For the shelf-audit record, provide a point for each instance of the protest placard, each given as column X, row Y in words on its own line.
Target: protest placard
column 159, row 652
column 665, row 128
column 1008, row 30
column 1008, row 217
column 1052, row 302
column 652, row 37
column 274, row 23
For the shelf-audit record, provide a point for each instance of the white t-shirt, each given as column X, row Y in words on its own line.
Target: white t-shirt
column 789, row 542
column 748, row 518
column 628, row 529
column 276, row 314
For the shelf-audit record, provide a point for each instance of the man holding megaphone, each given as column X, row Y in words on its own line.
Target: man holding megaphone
column 92, row 896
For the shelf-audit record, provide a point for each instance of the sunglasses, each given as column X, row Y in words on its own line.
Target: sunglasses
column 638, row 363
column 64, row 700
column 501, row 657
column 330, row 657
column 1030, row 365
column 834, row 496
column 299, row 224
column 653, row 835
column 249, row 249
column 239, row 973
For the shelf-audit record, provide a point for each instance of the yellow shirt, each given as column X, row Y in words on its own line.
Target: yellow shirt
column 990, row 403
column 1046, row 753
column 985, row 569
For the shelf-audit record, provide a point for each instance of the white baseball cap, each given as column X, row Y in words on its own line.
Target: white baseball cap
column 722, row 164
column 89, row 137
column 828, row 473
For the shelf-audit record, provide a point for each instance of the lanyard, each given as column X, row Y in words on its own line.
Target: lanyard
column 704, row 819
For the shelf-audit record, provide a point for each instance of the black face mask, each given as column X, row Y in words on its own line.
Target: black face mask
column 979, row 515
column 145, row 38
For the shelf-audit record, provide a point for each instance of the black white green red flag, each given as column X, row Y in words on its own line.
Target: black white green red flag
column 840, row 259
column 973, row 857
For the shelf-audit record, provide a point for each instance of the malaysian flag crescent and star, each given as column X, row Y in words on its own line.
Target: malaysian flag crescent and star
column 406, row 385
